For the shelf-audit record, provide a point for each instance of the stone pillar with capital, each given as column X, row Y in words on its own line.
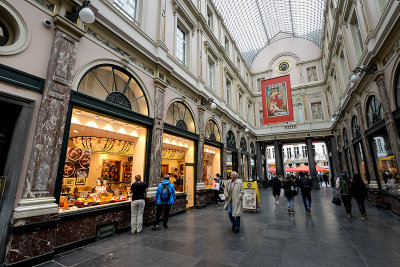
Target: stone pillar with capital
column 157, row 137
column 224, row 154
column 311, row 163
column 280, row 168
column 373, row 184
column 389, row 120
column 38, row 195
column 260, row 174
column 200, row 149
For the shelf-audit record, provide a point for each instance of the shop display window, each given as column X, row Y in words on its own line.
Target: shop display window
column 361, row 162
column 385, row 162
column 99, row 167
column 212, row 164
column 178, row 163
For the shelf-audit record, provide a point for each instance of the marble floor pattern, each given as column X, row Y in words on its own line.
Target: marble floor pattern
column 270, row 237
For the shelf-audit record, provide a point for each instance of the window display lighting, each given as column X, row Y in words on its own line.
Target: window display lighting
column 104, row 145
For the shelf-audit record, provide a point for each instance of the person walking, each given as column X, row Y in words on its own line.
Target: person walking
column 305, row 185
column 138, row 190
column 165, row 197
column 218, row 180
column 320, row 179
column 233, row 192
column 276, row 188
column 290, row 189
column 359, row 192
column 343, row 187
column 326, row 179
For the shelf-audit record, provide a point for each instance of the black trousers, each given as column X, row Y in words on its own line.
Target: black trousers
column 160, row 208
column 360, row 203
column 216, row 197
column 347, row 203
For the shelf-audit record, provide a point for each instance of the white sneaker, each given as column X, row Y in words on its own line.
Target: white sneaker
column 277, row 202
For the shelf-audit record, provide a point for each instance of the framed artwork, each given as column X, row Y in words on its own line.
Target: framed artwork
column 80, row 181
column 277, row 100
column 69, row 181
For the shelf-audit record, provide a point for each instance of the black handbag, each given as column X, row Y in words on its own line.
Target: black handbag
column 337, row 201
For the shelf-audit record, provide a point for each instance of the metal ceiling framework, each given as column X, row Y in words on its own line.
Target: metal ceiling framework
column 254, row 24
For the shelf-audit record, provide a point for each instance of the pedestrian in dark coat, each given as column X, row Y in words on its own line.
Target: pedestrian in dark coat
column 290, row 188
column 276, row 188
column 359, row 192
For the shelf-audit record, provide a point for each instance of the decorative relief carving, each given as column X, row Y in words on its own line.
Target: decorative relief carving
column 312, row 75
column 316, row 109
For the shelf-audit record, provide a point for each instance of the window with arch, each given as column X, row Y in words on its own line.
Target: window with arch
column 252, row 149
column 345, row 137
column 212, row 132
column 397, row 87
column 355, row 126
column 374, row 111
column 243, row 145
column 115, row 85
column 230, row 140
column 179, row 115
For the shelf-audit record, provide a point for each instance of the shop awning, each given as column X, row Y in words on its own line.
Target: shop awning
column 287, row 169
column 307, row 169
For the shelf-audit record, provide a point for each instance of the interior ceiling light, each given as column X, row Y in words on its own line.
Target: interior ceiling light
column 172, row 154
column 266, row 21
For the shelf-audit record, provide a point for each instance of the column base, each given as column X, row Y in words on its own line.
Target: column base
column 373, row 185
column 200, row 186
column 35, row 206
column 151, row 192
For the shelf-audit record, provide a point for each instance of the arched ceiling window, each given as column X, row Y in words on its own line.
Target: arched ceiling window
column 374, row 111
column 252, row 149
column 266, row 21
column 243, row 145
column 230, row 140
column 212, row 132
column 179, row 115
column 114, row 85
column 397, row 88
column 355, row 126
column 345, row 137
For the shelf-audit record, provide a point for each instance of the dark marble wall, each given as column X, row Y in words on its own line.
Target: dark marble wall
column 204, row 197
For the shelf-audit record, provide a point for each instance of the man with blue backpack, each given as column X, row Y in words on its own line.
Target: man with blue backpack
column 165, row 197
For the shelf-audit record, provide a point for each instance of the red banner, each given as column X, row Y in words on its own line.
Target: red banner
column 277, row 100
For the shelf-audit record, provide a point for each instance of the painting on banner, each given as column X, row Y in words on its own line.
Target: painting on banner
column 277, row 100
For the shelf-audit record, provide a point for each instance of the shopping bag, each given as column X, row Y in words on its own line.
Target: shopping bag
column 215, row 186
column 222, row 197
column 337, row 201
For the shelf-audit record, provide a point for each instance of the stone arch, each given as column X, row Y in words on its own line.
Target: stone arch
column 212, row 129
column 230, row 139
column 290, row 54
column 176, row 115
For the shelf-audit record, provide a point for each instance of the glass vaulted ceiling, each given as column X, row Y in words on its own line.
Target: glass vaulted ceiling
column 256, row 23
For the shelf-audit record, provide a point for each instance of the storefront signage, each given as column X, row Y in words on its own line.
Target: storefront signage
column 277, row 100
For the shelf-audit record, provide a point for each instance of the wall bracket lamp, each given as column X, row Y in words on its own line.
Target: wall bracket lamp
column 83, row 12
column 355, row 78
column 205, row 101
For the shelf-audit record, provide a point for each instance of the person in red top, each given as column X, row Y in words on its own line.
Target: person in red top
column 276, row 103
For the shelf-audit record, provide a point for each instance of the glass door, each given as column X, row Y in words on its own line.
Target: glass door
column 189, row 184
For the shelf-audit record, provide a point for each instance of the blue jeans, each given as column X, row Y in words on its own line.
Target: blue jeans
column 235, row 220
column 290, row 203
column 306, row 196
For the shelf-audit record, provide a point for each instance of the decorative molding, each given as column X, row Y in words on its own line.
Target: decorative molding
column 20, row 78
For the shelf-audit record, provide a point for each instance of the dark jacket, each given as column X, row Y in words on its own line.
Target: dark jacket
column 287, row 186
column 305, row 184
column 358, row 189
column 276, row 186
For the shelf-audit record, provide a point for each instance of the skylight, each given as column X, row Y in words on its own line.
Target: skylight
column 256, row 23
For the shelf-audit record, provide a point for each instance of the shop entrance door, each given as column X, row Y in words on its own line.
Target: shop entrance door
column 189, row 184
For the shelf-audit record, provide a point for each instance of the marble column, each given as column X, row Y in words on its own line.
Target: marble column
column 266, row 171
column 223, row 167
column 280, row 168
column 239, row 156
column 353, row 159
column 200, row 149
column 260, row 174
column 335, row 165
column 37, row 198
column 369, row 157
column 391, row 127
column 157, row 136
column 311, row 163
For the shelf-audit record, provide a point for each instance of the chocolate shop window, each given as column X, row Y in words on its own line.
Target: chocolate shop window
column 99, row 165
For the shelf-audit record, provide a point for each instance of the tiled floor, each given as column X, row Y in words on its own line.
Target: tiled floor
column 271, row 237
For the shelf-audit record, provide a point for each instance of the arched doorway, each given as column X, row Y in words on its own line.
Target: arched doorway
column 359, row 150
column 244, row 159
column 212, row 153
column 231, row 153
column 179, row 150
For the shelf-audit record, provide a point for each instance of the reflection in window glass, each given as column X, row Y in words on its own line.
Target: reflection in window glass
column 180, row 116
column 4, row 36
column 127, row 6
column 181, row 45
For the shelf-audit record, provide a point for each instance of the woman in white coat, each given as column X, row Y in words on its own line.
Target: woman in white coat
column 233, row 192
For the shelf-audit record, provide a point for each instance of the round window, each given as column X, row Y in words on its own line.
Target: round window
column 283, row 66
column 14, row 32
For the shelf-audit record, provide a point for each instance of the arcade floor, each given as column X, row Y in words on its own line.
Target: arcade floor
column 268, row 238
